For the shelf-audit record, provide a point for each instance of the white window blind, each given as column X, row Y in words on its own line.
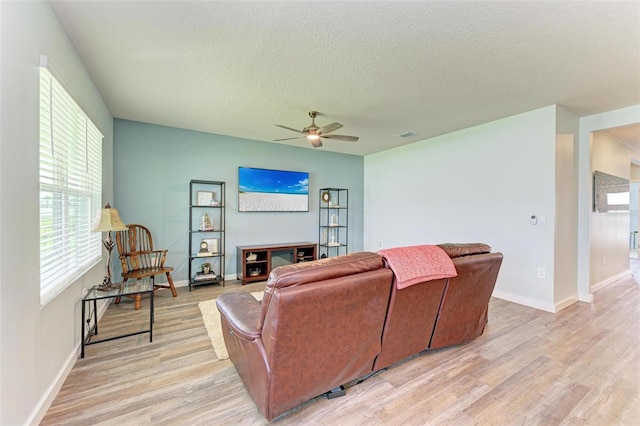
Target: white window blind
column 70, row 189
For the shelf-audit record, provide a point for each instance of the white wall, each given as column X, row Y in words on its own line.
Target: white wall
column 610, row 231
column 37, row 344
column 566, row 229
column 634, row 198
column 480, row 184
column 589, row 124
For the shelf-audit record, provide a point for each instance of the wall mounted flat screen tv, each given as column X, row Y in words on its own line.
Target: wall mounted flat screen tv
column 265, row 190
column 610, row 193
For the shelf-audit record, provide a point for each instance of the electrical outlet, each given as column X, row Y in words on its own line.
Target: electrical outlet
column 542, row 273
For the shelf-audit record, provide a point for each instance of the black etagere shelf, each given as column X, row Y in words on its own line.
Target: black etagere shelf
column 333, row 239
column 206, row 232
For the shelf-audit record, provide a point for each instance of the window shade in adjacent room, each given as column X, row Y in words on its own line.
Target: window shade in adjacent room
column 70, row 189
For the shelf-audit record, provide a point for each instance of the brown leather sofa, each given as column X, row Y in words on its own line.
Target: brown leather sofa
column 326, row 323
column 444, row 312
column 318, row 326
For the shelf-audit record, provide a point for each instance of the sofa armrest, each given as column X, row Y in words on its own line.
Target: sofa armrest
column 242, row 313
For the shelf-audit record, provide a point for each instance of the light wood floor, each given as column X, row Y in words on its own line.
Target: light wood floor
column 581, row 366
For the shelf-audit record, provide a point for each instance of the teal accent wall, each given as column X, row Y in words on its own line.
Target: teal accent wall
column 154, row 164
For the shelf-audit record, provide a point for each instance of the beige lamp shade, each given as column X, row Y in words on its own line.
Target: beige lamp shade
column 109, row 220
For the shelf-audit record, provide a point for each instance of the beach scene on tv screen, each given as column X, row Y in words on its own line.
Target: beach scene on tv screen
column 263, row 190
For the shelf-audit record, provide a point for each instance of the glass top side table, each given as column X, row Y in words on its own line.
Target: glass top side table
column 129, row 288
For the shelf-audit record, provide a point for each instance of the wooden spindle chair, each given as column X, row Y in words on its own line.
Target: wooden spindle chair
column 139, row 259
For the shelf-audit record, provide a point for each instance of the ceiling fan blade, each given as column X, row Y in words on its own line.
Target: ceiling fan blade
column 317, row 143
column 288, row 139
column 330, row 128
column 289, row 128
column 341, row 137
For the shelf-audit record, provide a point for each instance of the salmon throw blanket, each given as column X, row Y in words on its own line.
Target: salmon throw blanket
column 415, row 264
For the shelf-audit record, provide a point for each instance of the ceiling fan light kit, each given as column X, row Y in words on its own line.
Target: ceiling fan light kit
column 315, row 134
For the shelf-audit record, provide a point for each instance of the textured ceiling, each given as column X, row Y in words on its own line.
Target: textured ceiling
column 380, row 68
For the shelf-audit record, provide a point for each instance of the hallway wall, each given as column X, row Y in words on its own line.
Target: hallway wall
column 610, row 231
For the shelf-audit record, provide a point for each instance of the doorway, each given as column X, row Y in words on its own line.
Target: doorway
column 634, row 206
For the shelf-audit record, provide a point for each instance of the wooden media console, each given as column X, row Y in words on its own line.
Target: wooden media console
column 255, row 262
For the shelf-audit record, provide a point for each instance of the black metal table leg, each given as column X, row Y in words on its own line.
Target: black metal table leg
column 82, row 331
column 93, row 296
column 95, row 314
column 151, row 314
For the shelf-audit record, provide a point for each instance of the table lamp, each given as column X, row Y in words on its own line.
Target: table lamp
column 108, row 221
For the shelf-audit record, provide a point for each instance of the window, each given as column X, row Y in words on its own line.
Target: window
column 70, row 189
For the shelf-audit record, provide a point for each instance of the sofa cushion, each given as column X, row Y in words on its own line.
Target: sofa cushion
column 458, row 250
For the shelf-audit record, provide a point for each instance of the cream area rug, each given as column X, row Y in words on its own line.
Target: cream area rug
column 213, row 324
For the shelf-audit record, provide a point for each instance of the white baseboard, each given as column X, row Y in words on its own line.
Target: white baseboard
column 587, row 298
column 558, row 306
column 610, row 280
column 566, row 303
column 51, row 393
column 536, row 304
column 47, row 399
column 182, row 283
column 532, row 303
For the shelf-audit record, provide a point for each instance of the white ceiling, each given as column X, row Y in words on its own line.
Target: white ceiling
column 380, row 68
column 630, row 135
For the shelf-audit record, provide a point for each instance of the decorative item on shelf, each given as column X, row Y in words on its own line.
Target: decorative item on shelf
column 325, row 196
column 333, row 242
column 205, row 198
column 212, row 245
column 206, row 223
column 254, row 272
column 334, row 220
column 252, row 257
column 204, row 249
column 214, row 202
column 108, row 220
column 205, row 267
column 205, row 277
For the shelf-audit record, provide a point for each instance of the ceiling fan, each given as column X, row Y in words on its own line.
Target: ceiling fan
column 314, row 133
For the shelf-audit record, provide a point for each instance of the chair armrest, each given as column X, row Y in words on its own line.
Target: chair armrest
column 242, row 312
column 157, row 258
column 145, row 259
